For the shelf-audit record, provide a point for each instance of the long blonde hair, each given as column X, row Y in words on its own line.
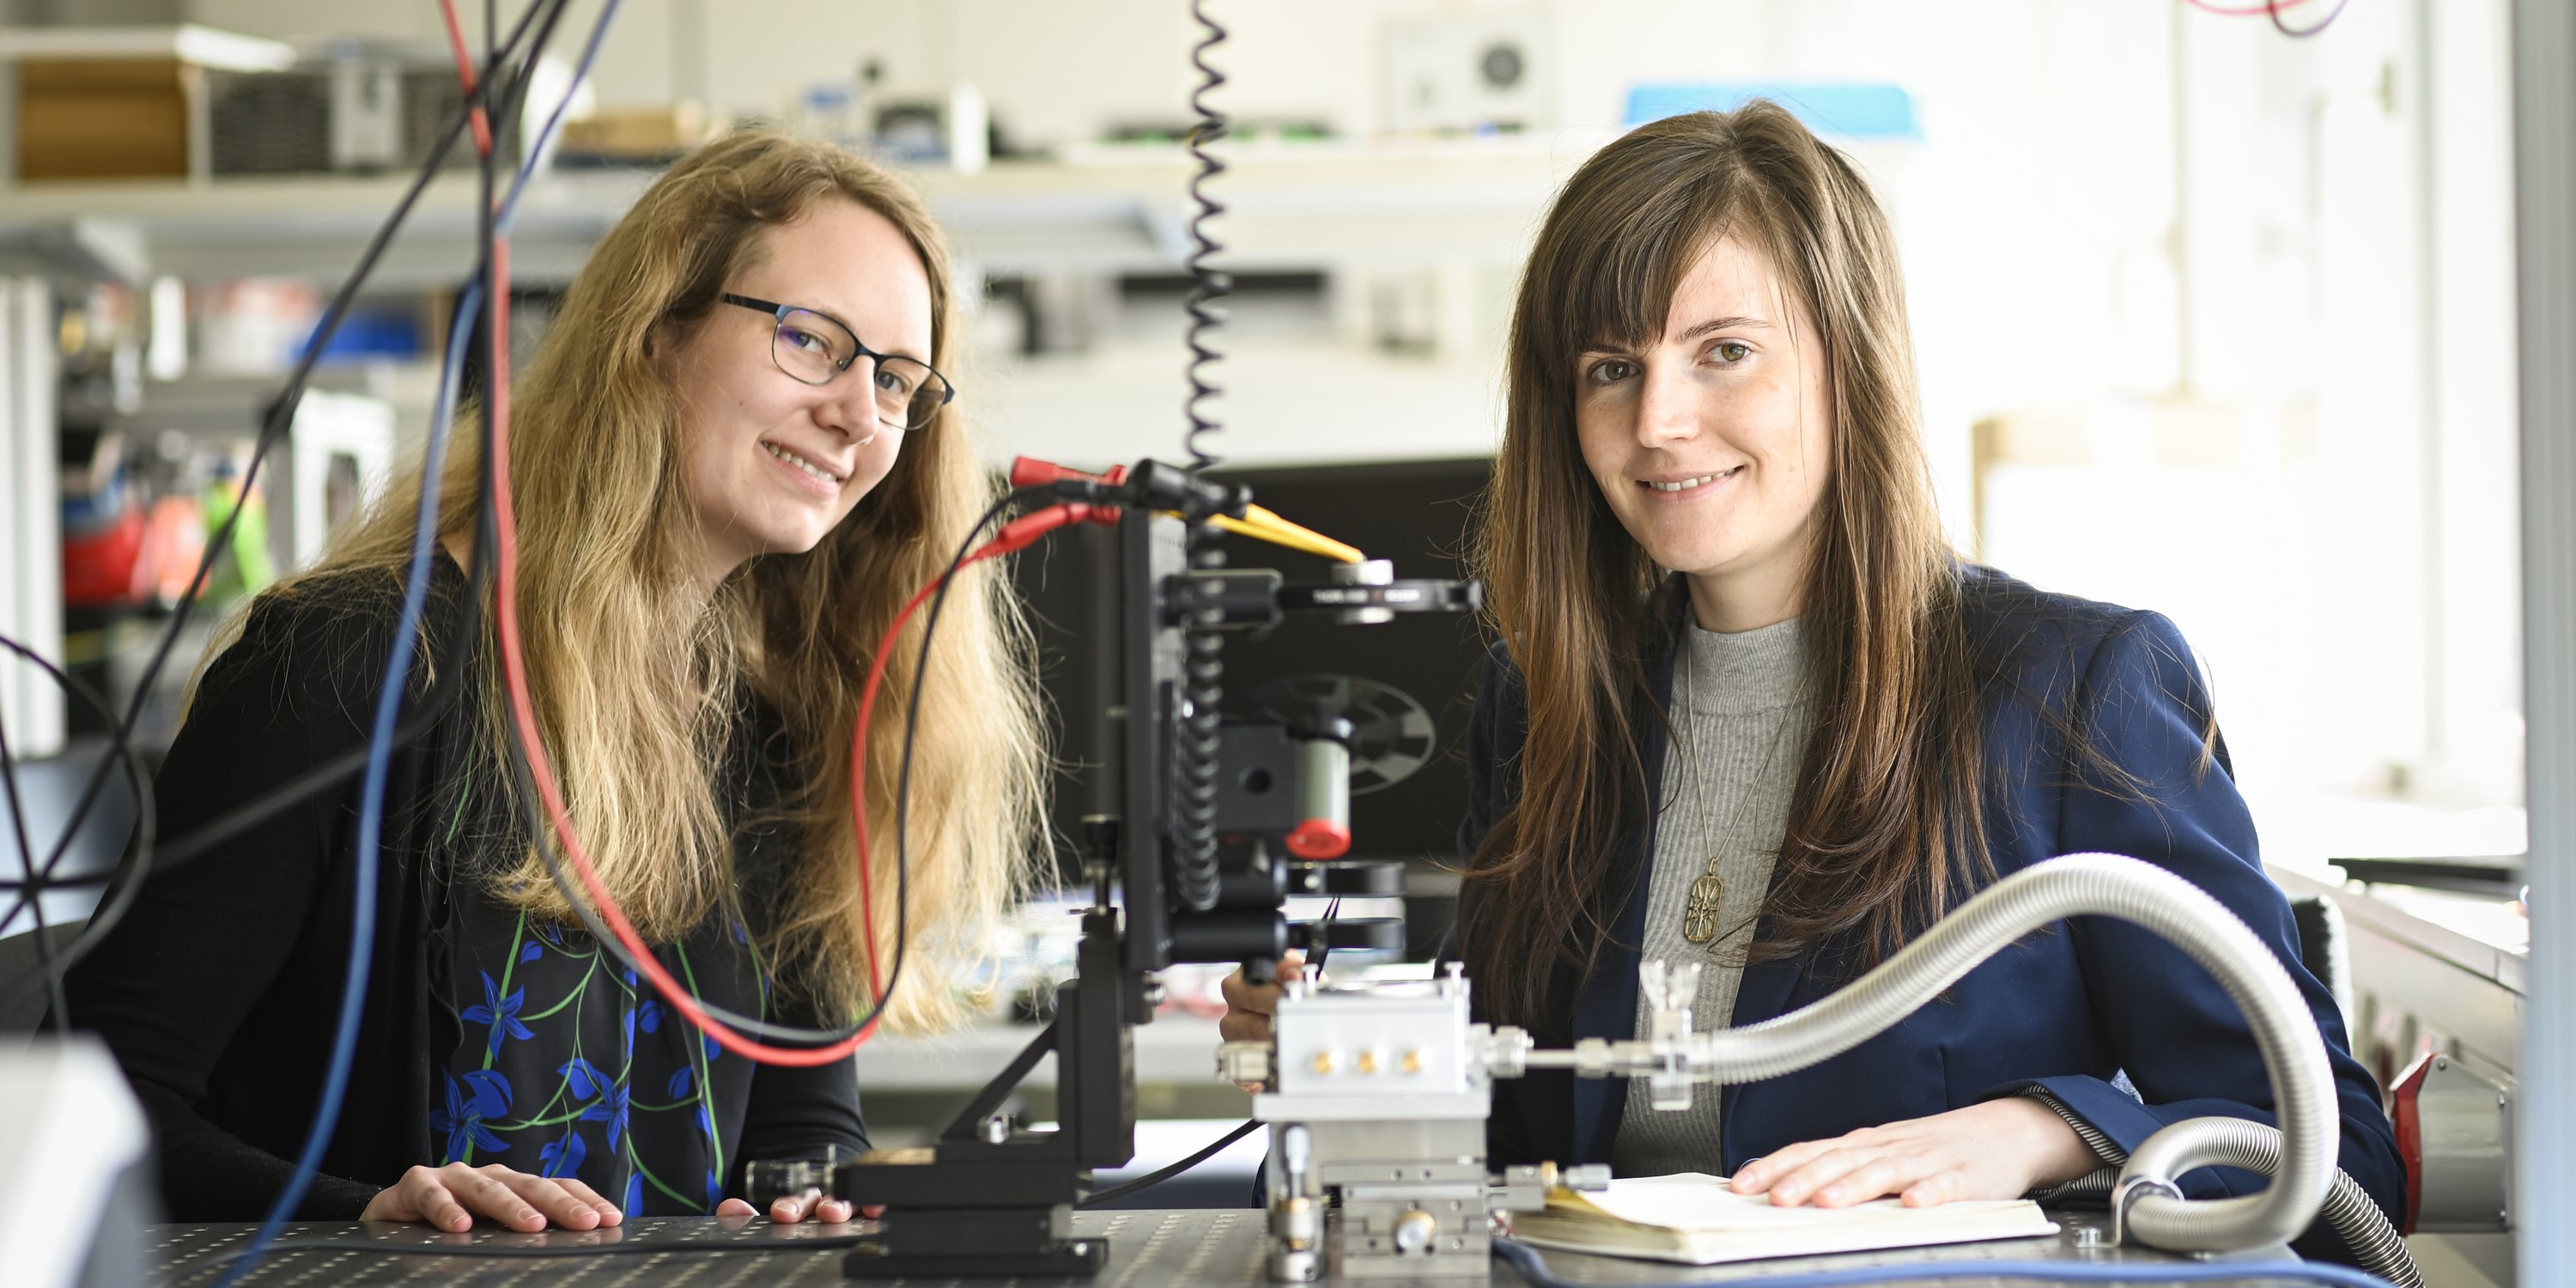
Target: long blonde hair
column 638, row 678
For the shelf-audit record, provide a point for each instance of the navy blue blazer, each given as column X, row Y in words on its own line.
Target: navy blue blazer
column 2067, row 1011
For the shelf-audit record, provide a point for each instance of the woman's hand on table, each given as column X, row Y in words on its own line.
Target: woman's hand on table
column 813, row 1205
column 2001, row 1149
column 450, row 1197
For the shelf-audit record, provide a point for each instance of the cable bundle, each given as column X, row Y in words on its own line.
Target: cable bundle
column 496, row 87
column 2273, row 9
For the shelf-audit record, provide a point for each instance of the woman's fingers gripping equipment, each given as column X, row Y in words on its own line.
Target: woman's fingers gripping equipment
column 1248, row 1006
column 451, row 1197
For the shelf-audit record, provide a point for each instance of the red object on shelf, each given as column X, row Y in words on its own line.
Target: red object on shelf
column 2409, row 1119
column 107, row 568
column 176, row 544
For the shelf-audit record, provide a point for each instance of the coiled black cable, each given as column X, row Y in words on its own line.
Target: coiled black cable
column 1209, row 283
column 1195, row 727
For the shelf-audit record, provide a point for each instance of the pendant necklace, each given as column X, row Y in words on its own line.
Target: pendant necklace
column 1708, row 892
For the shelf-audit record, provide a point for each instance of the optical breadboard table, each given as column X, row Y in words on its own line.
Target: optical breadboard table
column 1148, row 1249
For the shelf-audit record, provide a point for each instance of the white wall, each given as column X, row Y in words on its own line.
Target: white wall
column 2273, row 277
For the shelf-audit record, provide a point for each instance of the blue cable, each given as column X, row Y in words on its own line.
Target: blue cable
column 1533, row 1267
column 581, row 72
column 371, row 807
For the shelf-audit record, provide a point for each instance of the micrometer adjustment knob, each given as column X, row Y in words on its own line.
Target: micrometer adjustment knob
column 1415, row 1231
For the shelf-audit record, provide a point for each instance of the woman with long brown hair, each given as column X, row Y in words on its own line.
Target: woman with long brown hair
column 734, row 456
column 1747, row 708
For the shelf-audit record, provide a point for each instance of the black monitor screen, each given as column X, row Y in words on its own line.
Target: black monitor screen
column 1418, row 672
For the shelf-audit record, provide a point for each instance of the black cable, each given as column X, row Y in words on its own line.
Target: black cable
column 142, row 858
column 119, row 896
column 764, row 1030
column 325, row 1121
column 1323, row 949
column 1208, row 283
column 515, row 94
column 35, row 885
column 146, row 858
column 912, row 720
column 433, row 707
column 281, row 415
column 1196, row 728
column 35, row 903
column 1324, row 941
column 1162, row 1174
column 2272, row 10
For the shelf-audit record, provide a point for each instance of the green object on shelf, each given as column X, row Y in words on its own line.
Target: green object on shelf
column 246, row 566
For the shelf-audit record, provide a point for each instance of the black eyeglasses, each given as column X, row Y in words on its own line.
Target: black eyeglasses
column 815, row 347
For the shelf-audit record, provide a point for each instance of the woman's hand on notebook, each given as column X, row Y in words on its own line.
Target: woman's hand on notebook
column 2000, row 1149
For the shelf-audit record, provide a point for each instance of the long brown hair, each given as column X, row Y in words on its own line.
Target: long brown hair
column 1885, row 825
column 638, row 679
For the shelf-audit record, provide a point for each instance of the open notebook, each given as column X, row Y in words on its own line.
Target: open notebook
column 1695, row 1218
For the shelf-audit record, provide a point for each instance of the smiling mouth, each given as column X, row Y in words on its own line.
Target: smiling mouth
column 1696, row 480
column 801, row 463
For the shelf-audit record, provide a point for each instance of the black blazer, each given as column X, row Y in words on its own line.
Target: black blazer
column 2069, row 1011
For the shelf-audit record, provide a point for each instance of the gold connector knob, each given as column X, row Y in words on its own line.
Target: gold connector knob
column 1413, row 1060
column 1323, row 1062
column 1368, row 1062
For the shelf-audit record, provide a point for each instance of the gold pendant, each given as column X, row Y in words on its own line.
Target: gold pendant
column 1699, row 916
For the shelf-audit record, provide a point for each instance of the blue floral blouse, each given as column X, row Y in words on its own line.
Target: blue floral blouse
column 561, row 1062
column 569, row 1065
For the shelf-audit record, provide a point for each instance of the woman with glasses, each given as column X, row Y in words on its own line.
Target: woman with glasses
column 1748, row 709
column 734, row 457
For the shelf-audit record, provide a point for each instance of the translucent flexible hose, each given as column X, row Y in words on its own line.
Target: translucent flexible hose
column 2294, row 1054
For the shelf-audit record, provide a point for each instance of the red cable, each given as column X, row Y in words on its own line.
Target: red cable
column 523, row 713
column 1014, row 536
column 514, row 671
column 465, row 73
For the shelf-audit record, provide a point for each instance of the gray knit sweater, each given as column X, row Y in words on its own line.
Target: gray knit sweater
column 1740, row 719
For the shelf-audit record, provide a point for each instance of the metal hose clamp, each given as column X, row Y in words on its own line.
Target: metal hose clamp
column 2128, row 1191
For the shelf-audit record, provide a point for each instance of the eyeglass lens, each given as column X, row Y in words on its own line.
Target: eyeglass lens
column 814, row 349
